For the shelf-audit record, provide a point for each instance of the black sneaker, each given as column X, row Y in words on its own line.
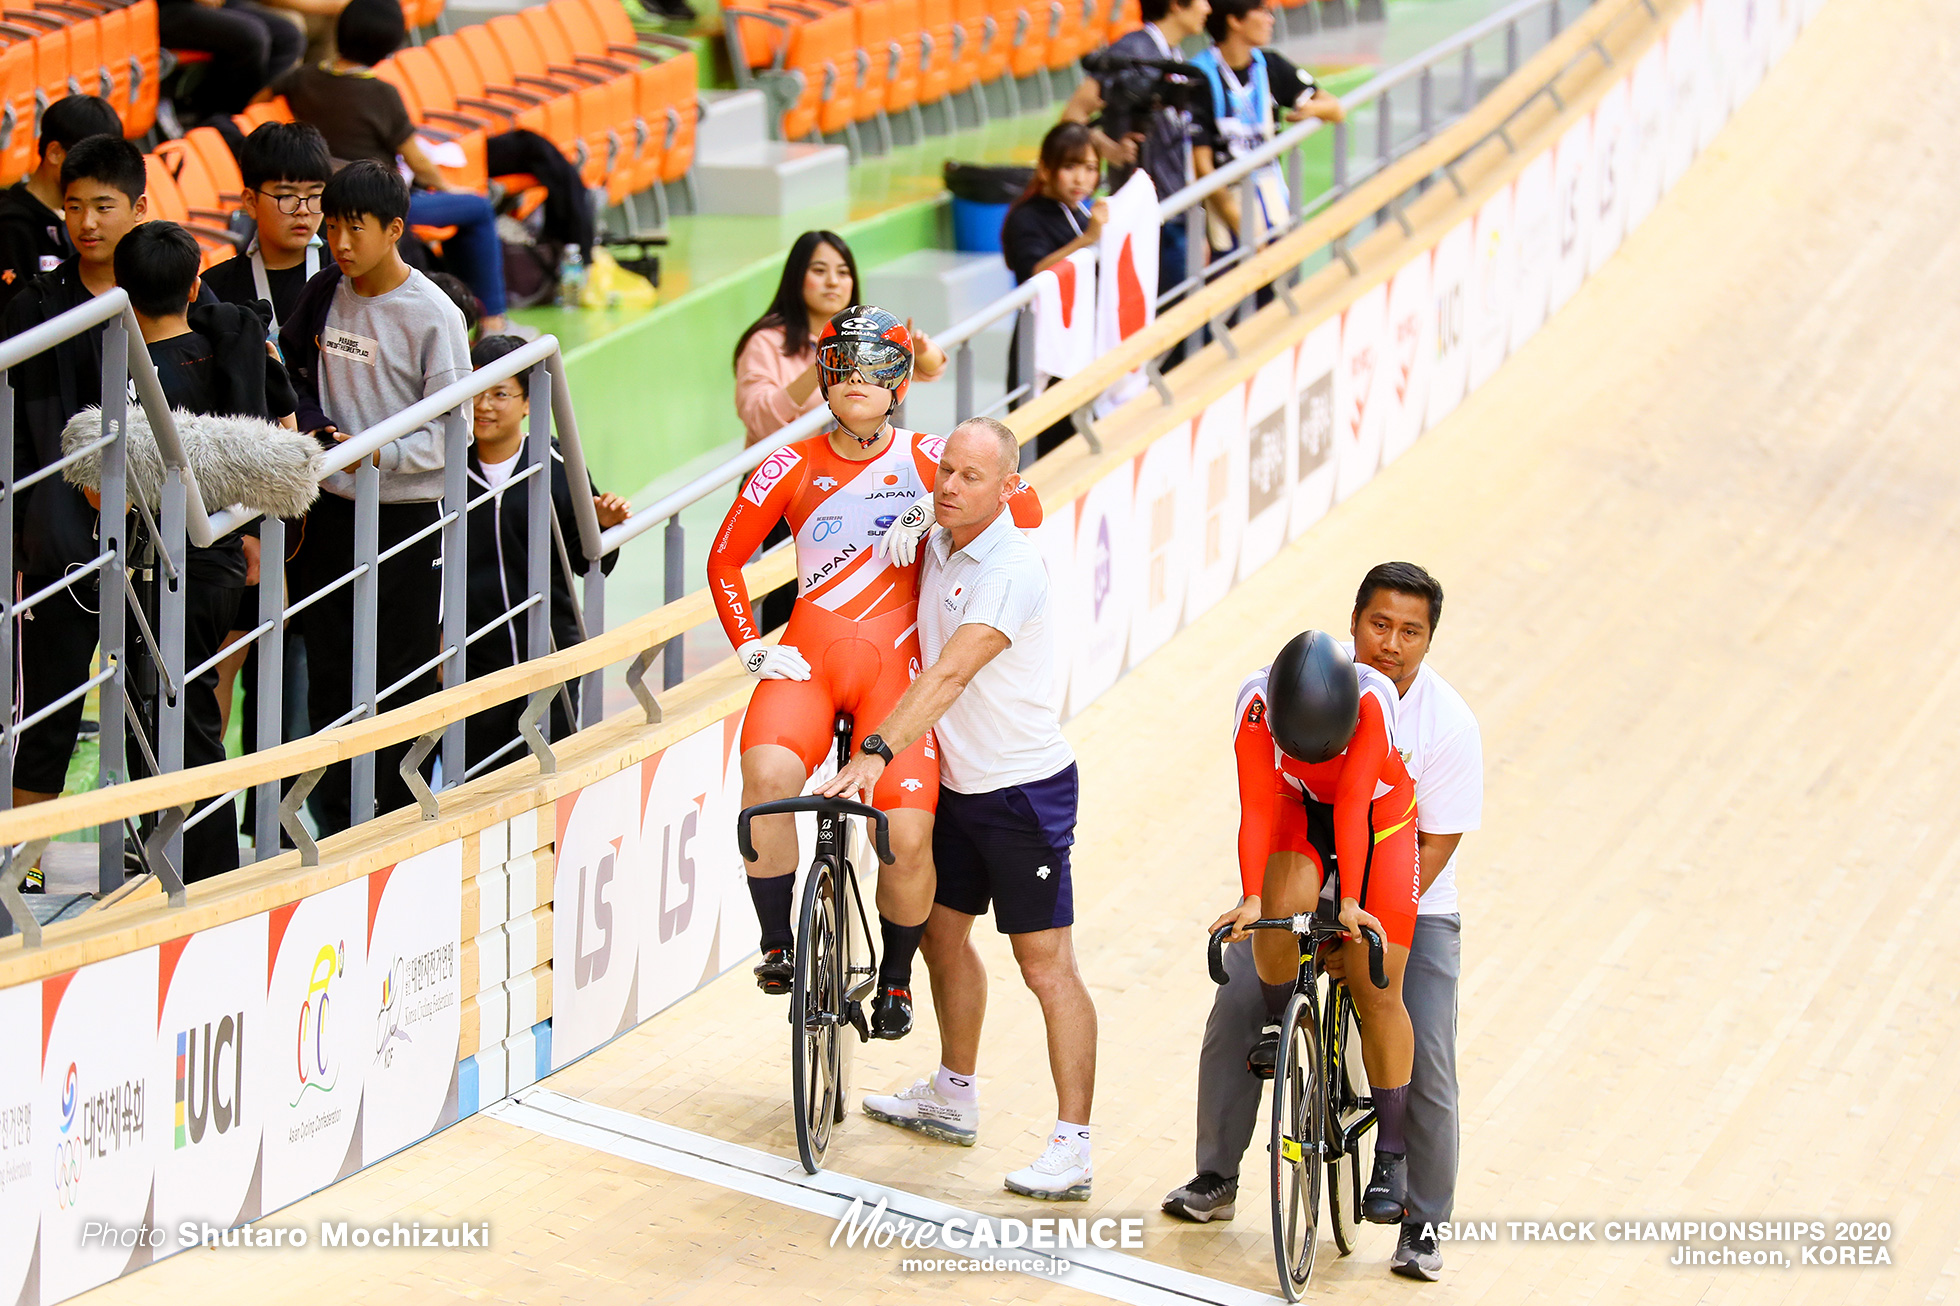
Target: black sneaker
column 1208, row 1197
column 1416, row 1256
column 1265, row 1053
column 1387, row 1189
column 776, row 972
column 33, row 882
column 891, row 1012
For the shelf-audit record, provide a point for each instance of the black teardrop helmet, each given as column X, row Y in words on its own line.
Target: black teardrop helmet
column 1313, row 698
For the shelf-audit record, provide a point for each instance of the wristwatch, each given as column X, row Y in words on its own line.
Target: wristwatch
column 876, row 744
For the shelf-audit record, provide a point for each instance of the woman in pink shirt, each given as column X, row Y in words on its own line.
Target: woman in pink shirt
column 776, row 359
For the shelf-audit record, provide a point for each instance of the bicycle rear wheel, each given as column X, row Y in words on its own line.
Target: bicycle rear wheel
column 1349, row 1115
column 815, row 1001
column 1298, row 1137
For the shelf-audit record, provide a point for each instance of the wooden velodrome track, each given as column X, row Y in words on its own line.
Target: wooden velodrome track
column 1700, row 544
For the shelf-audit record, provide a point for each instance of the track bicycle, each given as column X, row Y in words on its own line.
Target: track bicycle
column 1322, row 1114
column 836, row 962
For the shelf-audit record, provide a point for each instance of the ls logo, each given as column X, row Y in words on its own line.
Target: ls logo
column 592, row 965
column 677, row 874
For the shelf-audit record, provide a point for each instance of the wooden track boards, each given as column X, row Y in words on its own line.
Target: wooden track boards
column 1700, row 541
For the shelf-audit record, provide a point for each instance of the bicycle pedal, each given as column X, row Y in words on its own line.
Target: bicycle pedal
column 854, row 1013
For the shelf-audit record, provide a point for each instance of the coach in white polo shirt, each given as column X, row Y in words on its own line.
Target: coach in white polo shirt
column 1396, row 611
column 1007, row 799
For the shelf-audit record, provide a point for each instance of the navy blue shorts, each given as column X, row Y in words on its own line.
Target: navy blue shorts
column 1009, row 847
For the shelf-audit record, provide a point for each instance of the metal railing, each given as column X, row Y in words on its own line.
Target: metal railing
column 1381, row 93
column 147, row 544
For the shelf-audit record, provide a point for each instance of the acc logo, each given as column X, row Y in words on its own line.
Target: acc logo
column 825, row 483
column 312, row 1058
column 884, row 522
column 911, row 786
column 773, row 469
column 825, row 528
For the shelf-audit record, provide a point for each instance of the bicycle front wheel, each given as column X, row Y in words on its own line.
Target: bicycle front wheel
column 1299, row 1136
column 1350, row 1117
column 815, row 1003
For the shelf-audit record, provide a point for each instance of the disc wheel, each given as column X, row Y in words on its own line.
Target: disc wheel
column 1299, row 1135
column 1349, row 1115
column 815, row 1000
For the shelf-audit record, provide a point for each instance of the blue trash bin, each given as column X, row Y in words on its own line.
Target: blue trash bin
column 976, row 226
column 982, row 193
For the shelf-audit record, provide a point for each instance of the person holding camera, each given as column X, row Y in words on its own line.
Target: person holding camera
column 1250, row 88
column 1158, row 142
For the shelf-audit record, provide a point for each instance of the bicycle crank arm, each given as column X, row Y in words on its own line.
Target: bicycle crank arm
column 854, row 1016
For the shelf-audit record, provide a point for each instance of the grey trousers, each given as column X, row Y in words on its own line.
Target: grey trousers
column 1229, row 1096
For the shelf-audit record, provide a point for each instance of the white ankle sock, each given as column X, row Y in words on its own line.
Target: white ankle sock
column 1080, row 1133
column 956, row 1088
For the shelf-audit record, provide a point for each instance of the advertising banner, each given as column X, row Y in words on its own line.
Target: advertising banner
column 1104, row 562
column 1313, row 454
column 1411, row 356
column 1717, row 68
column 1647, row 127
column 321, row 1021
column 26, row 1152
column 1449, row 324
column 687, row 841
column 1218, row 475
column 1360, row 392
column 213, row 1049
column 1572, row 198
column 415, row 986
column 1269, row 462
column 1685, row 59
column 1612, row 167
column 1166, row 520
column 102, row 1111
column 1535, row 232
column 1055, row 539
column 1491, row 283
column 598, row 911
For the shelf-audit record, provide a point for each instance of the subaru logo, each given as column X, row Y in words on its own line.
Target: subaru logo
column 884, row 522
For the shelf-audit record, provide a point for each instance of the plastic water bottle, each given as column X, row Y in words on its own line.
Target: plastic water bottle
column 571, row 278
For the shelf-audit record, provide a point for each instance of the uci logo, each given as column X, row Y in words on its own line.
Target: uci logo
column 825, row 528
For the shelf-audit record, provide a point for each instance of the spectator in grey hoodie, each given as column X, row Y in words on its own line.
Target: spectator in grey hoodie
column 370, row 337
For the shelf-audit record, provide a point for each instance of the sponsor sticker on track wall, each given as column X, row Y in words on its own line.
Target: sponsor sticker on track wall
column 1218, row 476
column 1492, row 251
column 1411, row 328
column 1449, row 324
column 1313, row 455
column 1717, row 68
column 1167, row 515
column 1685, row 60
column 1647, row 128
column 1270, row 462
column 27, row 1134
column 415, row 990
column 598, row 912
column 1613, row 146
column 1360, row 390
column 1105, row 556
column 1055, row 539
column 687, row 839
column 213, row 1050
column 1572, row 198
column 1534, row 226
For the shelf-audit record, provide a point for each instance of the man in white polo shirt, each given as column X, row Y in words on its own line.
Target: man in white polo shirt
column 1007, row 800
column 1396, row 611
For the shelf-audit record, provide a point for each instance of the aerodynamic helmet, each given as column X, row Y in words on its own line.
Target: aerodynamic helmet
column 1313, row 698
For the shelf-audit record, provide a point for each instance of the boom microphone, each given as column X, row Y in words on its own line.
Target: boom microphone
column 236, row 460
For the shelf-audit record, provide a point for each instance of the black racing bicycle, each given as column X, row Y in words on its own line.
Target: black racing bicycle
column 1322, row 1114
column 836, row 962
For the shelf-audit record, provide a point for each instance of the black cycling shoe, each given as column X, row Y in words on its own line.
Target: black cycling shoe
column 891, row 1012
column 1265, row 1053
column 1382, row 1203
column 776, row 972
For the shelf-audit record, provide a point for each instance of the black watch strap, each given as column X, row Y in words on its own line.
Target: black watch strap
column 876, row 744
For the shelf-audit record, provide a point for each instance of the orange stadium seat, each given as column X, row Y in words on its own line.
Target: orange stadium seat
column 50, row 56
column 788, row 41
column 1026, row 24
column 979, row 52
column 274, row 110
column 168, row 204
column 19, row 144
column 473, row 173
column 138, row 79
column 88, row 74
column 678, row 100
column 904, row 73
column 203, row 193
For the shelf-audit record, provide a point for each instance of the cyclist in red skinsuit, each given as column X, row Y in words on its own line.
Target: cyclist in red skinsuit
column 1319, row 780
column 852, row 640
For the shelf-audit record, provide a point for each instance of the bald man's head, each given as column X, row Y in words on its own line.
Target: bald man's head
column 975, row 469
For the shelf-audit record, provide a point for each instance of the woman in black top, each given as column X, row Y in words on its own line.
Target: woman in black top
column 1051, row 221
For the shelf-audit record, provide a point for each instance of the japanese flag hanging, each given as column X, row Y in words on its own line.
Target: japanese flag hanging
column 1126, row 288
column 1065, row 318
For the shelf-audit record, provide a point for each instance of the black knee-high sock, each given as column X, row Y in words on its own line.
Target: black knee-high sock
column 772, row 897
column 901, row 942
column 1277, row 996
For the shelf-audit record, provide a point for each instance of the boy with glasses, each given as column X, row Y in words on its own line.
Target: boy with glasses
column 285, row 168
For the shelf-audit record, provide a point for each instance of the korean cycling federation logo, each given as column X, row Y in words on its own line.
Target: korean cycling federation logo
column 776, row 466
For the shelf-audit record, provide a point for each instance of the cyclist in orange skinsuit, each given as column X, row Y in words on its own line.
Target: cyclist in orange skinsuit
column 852, row 640
column 1320, row 780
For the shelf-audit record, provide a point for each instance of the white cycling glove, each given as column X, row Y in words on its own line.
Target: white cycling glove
column 901, row 542
column 773, row 661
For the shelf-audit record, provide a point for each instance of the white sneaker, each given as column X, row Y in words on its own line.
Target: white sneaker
column 923, row 1109
column 1061, row 1175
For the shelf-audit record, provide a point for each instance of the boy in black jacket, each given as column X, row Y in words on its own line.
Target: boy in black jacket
column 210, row 359
column 499, row 550
column 102, row 185
column 33, row 237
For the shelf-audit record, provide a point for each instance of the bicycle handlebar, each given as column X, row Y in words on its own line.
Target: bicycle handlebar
column 1301, row 924
column 881, row 827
